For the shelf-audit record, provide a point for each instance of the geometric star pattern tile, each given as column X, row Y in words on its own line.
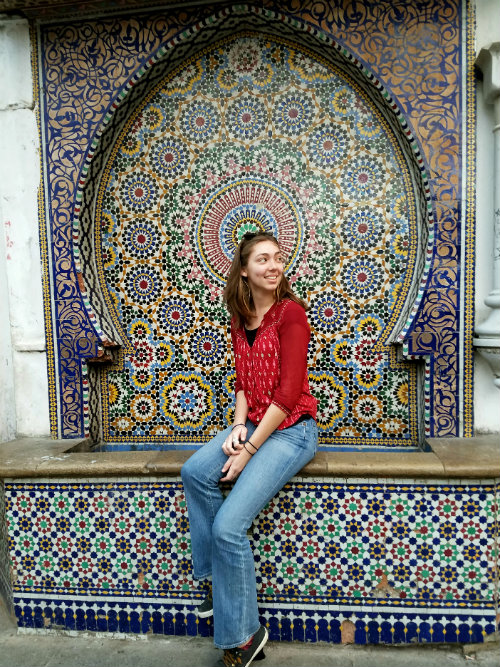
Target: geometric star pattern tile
column 256, row 134
column 392, row 558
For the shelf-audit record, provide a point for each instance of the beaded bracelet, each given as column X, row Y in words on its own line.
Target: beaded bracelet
column 235, row 425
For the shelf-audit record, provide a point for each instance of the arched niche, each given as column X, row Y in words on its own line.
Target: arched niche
column 251, row 119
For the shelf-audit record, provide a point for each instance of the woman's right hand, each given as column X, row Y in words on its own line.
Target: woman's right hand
column 235, row 440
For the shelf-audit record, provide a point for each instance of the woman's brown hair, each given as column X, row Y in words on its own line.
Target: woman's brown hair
column 237, row 293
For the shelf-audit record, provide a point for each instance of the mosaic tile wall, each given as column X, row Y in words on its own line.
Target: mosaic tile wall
column 404, row 561
column 146, row 271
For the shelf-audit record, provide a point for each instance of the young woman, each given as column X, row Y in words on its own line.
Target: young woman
column 272, row 437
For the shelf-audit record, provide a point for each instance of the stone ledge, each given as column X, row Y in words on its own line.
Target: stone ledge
column 449, row 458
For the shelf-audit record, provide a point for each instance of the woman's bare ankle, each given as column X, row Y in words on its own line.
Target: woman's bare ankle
column 247, row 644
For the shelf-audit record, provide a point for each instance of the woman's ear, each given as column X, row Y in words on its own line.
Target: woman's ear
column 244, row 273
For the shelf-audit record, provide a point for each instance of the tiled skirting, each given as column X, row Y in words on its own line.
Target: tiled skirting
column 5, row 583
column 386, row 626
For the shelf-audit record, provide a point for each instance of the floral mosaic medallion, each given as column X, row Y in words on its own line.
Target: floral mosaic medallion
column 254, row 134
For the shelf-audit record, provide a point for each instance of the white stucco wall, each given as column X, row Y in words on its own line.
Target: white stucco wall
column 486, row 395
column 23, row 367
column 7, row 403
column 23, row 373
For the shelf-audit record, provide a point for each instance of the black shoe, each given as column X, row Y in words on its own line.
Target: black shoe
column 206, row 608
column 239, row 657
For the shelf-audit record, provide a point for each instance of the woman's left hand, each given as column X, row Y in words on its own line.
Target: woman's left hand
column 234, row 441
column 234, row 465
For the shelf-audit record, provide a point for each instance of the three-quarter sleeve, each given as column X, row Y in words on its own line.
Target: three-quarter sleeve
column 238, row 386
column 294, row 335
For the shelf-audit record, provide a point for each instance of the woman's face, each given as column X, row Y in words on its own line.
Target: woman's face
column 264, row 269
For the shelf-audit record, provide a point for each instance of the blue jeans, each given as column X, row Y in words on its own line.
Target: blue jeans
column 218, row 527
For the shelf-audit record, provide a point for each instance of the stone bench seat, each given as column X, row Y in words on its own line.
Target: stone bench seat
column 453, row 458
column 389, row 547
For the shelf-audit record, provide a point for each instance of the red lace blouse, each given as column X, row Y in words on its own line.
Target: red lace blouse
column 274, row 369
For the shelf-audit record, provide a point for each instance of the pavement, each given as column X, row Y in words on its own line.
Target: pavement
column 31, row 649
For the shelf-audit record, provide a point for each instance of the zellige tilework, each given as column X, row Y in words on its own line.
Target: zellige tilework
column 429, row 117
column 404, row 554
column 251, row 135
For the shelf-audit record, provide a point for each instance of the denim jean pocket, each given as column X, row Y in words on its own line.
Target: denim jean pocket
column 313, row 433
column 309, row 435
